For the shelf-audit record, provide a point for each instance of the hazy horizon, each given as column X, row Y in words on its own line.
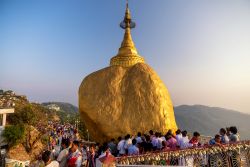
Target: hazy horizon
column 200, row 49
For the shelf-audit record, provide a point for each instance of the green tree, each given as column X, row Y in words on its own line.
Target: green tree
column 13, row 134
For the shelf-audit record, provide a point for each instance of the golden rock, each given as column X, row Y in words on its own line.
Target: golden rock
column 127, row 97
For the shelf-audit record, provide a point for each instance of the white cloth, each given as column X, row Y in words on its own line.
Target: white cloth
column 62, row 157
column 159, row 144
column 184, row 143
column 154, row 142
column 53, row 164
column 128, row 143
column 79, row 159
column 163, row 138
column 120, row 147
column 226, row 138
column 178, row 139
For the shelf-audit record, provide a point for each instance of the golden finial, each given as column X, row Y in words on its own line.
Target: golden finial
column 127, row 55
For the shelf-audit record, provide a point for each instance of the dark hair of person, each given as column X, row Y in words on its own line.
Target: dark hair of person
column 139, row 134
column 134, row 141
column 196, row 134
column 76, row 142
column 222, row 130
column 184, row 133
column 105, row 147
column 170, row 131
column 66, row 142
column 217, row 136
column 147, row 138
column 156, row 134
column 119, row 138
column 127, row 136
column 46, row 156
column 112, row 139
column 151, row 132
column 92, row 146
column 178, row 132
column 168, row 136
column 233, row 129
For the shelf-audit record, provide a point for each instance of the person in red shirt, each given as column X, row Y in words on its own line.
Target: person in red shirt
column 195, row 139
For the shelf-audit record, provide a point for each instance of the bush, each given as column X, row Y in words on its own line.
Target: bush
column 24, row 114
column 13, row 134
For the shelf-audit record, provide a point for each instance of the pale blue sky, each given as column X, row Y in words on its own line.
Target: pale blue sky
column 200, row 49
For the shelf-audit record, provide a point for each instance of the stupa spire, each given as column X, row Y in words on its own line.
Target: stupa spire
column 127, row 54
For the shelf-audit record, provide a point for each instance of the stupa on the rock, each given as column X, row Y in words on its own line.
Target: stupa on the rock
column 126, row 97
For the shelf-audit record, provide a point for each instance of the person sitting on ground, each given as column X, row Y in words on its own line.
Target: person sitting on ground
column 133, row 150
column 224, row 137
column 91, row 160
column 62, row 157
column 195, row 139
column 138, row 138
column 184, row 141
column 47, row 160
column 216, row 140
column 75, row 156
column 234, row 137
column 171, row 141
column 178, row 136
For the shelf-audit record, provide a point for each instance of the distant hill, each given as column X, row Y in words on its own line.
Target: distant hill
column 66, row 107
column 204, row 119
column 208, row 120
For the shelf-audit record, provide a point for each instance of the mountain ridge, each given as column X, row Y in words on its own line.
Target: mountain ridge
column 204, row 119
column 208, row 120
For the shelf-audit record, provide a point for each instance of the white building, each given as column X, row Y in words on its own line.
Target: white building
column 3, row 113
column 53, row 107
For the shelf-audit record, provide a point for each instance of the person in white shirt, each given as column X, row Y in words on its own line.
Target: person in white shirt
column 128, row 142
column 155, row 141
column 62, row 157
column 184, row 142
column 224, row 137
column 75, row 156
column 138, row 138
column 132, row 150
column 47, row 160
column 163, row 137
column 178, row 136
column 159, row 144
column 120, row 146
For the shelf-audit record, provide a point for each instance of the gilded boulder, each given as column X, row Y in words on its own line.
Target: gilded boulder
column 117, row 100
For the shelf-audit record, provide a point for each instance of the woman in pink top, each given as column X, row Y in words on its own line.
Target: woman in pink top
column 171, row 142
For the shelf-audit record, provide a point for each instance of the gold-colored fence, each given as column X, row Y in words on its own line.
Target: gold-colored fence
column 230, row 155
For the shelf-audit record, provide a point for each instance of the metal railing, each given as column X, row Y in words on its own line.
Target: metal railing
column 229, row 155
